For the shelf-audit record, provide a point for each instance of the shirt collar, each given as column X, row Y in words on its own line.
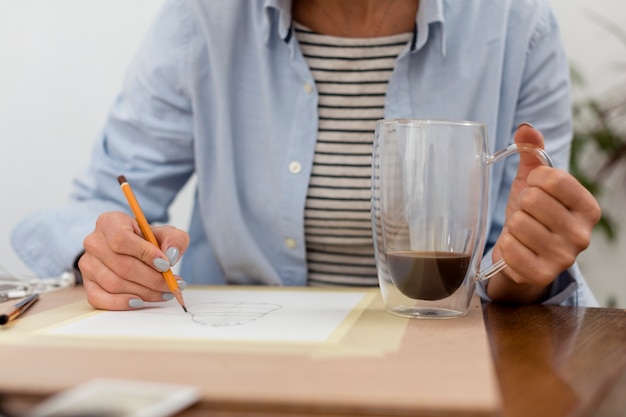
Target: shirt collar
column 278, row 13
column 430, row 11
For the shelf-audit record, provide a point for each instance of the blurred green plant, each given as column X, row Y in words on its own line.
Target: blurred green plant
column 600, row 133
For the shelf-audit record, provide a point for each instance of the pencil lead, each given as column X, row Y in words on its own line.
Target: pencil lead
column 184, row 308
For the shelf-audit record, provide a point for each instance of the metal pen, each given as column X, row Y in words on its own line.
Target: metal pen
column 18, row 309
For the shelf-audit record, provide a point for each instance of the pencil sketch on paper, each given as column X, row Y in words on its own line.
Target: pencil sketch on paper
column 222, row 314
column 281, row 315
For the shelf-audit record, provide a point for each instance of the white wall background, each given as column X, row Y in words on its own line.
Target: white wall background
column 62, row 62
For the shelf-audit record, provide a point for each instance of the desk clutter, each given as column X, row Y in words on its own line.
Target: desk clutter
column 15, row 286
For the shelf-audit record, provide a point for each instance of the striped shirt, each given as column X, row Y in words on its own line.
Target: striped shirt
column 351, row 75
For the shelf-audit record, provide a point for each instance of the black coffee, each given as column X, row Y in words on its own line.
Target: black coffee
column 427, row 275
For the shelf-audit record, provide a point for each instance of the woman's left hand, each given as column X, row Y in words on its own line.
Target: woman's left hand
column 549, row 219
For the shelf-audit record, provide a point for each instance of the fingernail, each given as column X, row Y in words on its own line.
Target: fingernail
column 135, row 303
column 526, row 124
column 182, row 284
column 161, row 264
column 172, row 255
column 167, row 296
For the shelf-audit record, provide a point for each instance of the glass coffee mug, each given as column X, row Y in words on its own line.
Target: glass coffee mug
column 430, row 185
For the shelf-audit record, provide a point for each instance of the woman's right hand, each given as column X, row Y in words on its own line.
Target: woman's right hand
column 121, row 269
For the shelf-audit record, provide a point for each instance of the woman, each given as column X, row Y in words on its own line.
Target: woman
column 271, row 105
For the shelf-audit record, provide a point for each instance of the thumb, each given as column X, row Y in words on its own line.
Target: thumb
column 527, row 138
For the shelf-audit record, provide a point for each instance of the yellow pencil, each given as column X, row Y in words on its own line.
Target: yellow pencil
column 172, row 284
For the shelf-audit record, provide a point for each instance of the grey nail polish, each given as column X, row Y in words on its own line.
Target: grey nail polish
column 161, row 264
column 172, row 255
column 182, row 284
column 167, row 296
column 135, row 303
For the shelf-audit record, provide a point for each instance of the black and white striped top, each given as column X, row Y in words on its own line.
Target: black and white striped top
column 351, row 76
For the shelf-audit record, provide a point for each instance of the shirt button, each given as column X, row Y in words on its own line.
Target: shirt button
column 290, row 243
column 308, row 88
column 295, row 167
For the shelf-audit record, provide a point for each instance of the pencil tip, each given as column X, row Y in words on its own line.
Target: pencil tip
column 121, row 179
column 185, row 308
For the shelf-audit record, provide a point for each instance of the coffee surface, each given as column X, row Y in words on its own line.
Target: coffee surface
column 427, row 275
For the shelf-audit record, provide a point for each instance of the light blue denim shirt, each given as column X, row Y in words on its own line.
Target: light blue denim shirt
column 220, row 89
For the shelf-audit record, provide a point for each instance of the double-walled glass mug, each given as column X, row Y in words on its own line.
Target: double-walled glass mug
column 430, row 185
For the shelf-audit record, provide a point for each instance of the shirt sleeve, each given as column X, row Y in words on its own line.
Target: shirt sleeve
column 148, row 137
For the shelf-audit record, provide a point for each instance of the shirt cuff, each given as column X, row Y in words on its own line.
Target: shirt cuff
column 568, row 289
column 78, row 276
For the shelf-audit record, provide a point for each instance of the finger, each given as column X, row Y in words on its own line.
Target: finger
column 551, row 248
column 567, row 190
column 149, row 285
column 546, row 209
column 123, row 235
column 101, row 299
column 528, row 135
column 524, row 266
column 115, row 254
column 105, row 290
column 123, row 241
column 173, row 241
column 107, row 279
column 574, row 232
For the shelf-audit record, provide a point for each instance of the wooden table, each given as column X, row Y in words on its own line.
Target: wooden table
column 559, row 361
column 547, row 361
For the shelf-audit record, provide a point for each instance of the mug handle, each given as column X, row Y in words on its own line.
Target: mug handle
column 498, row 156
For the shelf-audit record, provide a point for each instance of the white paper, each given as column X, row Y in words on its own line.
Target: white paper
column 235, row 315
